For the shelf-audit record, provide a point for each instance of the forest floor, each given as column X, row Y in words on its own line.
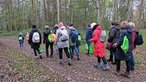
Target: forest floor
column 49, row 69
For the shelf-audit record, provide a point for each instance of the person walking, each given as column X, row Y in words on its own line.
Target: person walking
column 21, row 40
column 62, row 42
column 35, row 41
column 73, row 38
column 47, row 42
column 88, row 37
column 121, row 55
column 99, row 51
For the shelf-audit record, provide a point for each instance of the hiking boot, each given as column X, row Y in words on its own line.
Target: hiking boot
column 97, row 65
column 51, row 56
column 126, row 74
column 41, row 57
column 105, row 67
column 36, row 57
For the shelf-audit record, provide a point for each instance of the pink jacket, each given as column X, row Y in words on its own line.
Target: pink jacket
column 98, row 45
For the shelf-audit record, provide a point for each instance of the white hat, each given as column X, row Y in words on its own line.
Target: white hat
column 132, row 24
column 92, row 25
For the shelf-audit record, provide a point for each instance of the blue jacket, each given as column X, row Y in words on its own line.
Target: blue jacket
column 120, row 54
column 88, row 34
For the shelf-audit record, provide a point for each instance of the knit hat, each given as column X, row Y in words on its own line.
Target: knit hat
column 92, row 25
column 132, row 24
column 33, row 26
column 60, row 24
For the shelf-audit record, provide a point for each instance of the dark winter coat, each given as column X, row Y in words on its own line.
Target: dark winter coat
column 22, row 38
column 88, row 34
column 34, row 45
column 120, row 54
column 45, row 36
column 114, row 34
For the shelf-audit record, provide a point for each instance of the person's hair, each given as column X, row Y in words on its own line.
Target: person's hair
column 114, row 23
column 71, row 24
column 94, row 27
column 124, row 24
column 46, row 26
column 131, row 25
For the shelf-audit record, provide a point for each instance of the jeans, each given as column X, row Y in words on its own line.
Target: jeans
column 103, row 59
column 77, row 46
column 132, row 62
column 51, row 49
column 89, row 44
column 72, row 48
column 66, row 52
column 21, row 43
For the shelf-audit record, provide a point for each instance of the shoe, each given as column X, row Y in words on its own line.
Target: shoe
column 110, row 60
column 78, row 58
column 51, row 56
column 69, row 62
column 60, row 62
column 47, row 56
column 97, row 65
column 117, row 73
column 41, row 57
column 126, row 74
column 71, row 57
column 105, row 67
column 114, row 63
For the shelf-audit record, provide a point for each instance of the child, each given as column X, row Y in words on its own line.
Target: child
column 98, row 47
column 27, row 36
column 21, row 39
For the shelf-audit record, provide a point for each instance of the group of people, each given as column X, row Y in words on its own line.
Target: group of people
column 67, row 38
column 114, row 41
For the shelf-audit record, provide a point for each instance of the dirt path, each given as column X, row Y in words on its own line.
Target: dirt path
column 80, row 71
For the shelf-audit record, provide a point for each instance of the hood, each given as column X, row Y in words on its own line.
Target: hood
column 63, row 27
column 47, row 31
column 34, row 29
column 117, row 27
column 99, row 28
column 128, row 30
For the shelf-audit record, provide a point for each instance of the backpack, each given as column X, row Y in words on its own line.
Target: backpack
column 103, row 36
column 63, row 35
column 20, row 38
column 74, row 36
column 52, row 37
column 125, row 44
column 139, row 39
column 36, row 37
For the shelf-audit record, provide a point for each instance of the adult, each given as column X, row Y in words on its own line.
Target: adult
column 46, row 41
column 99, row 51
column 112, row 38
column 35, row 41
column 72, row 44
column 121, row 56
column 133, row 45
column 62, row 42
column 88, row 37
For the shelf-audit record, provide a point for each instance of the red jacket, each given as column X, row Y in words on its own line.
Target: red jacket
column 98, row 45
